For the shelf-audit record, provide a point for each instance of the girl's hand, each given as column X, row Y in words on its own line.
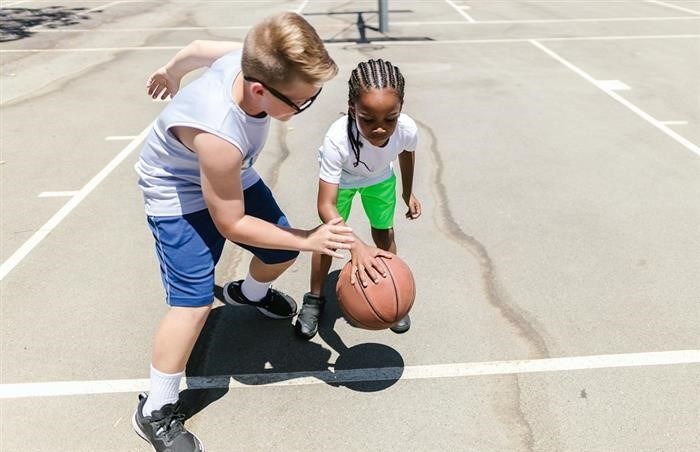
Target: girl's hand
column 414, row 207
column 162, row 84
column 328, row 238
column 366, row 265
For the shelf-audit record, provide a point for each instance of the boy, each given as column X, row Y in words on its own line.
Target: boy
column 200, row 189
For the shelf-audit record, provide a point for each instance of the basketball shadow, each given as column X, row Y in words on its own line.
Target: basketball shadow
column 367, row 367
column 237, row 342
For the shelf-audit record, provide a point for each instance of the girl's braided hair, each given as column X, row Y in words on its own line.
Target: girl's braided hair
column 372, row 74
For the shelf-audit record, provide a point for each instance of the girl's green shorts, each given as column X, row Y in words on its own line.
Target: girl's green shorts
column 378, row 200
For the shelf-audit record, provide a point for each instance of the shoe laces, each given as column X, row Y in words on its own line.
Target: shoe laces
column 171, row 425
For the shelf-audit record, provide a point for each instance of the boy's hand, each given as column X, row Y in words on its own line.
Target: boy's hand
column 162, row 83
column 329, row 237
column 366, row 264
column 414, row 207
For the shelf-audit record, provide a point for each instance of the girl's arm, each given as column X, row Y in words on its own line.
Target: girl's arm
column 166, row 80
column 363, row 256
column 407, row 162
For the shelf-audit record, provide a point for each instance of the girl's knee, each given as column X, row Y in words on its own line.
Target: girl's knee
column 383, row 238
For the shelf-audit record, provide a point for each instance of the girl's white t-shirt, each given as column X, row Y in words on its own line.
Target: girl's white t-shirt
column 337, row 159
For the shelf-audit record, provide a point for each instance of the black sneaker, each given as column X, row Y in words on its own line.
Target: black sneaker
column 307, row 322
column 403, row 325
column 275, row 304
column 164, row 430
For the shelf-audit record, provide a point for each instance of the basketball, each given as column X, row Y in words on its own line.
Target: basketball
column 377, row 306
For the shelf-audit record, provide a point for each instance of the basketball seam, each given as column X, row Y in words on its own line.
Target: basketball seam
column 353, row 320
column 369, row 303
column 396, row 292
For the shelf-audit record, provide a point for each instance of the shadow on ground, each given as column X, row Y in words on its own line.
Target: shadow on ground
column 240, row 343
column 17, row 23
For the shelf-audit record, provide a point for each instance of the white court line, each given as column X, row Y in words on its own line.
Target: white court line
column 120, row 137
column 57, row 194
column 511, row 40
column 223, row 2
column 641, row 113
column 92, row 49
column 383, row 43
column 301, row 7
column 103, row 7
column 397, row 23
column 676, row 7
column 543, row 21
column 11, row 4
column 56, row 219
column 469, row 18
column 131, row 30
column 612, row 85
column 64, row 388
column 674, row 123
column 40, row 28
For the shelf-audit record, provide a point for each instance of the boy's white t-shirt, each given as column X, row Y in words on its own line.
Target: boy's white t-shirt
column 337, row 159
column 169, row 172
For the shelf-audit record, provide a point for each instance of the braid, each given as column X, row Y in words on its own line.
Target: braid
column 371, row 74
column 364, row 71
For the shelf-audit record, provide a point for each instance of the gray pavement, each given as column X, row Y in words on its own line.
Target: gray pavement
column 560, row 222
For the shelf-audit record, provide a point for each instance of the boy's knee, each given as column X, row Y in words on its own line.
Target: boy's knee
column 281, row 257
column 193, row 314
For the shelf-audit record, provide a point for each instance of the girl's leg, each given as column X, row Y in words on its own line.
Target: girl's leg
column 306, row 326
column 320, row 264
column 384, row 239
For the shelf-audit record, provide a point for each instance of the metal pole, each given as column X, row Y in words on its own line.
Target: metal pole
column 383, row 16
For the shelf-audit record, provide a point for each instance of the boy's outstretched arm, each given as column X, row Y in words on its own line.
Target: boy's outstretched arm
column 165, row 81
column 407, row 162
column 220, row 169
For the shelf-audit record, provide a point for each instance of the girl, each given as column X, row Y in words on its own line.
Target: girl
column 357, row 157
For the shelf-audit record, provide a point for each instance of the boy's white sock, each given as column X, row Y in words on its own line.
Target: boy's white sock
column 165, row 388
column 254, row 290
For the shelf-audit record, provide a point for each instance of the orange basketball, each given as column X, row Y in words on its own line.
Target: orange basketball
column 377, row 306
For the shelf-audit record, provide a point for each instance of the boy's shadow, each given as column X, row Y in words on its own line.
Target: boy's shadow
column 240, row 343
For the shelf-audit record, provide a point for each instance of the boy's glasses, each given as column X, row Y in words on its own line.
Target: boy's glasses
column 297, row 108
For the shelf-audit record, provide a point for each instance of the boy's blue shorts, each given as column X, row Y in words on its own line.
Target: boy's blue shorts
column 189, row 246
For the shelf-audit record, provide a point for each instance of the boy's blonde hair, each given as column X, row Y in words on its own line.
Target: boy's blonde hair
column 283, row 47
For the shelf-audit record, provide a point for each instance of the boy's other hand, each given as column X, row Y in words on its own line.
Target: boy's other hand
column 162, row 84
column 414, row 207
column 328, row 238
column 366, row 265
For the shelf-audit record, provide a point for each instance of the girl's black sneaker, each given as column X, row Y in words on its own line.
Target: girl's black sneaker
column 307, row 321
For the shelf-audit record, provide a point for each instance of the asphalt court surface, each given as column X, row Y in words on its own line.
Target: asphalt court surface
column 556, row 259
